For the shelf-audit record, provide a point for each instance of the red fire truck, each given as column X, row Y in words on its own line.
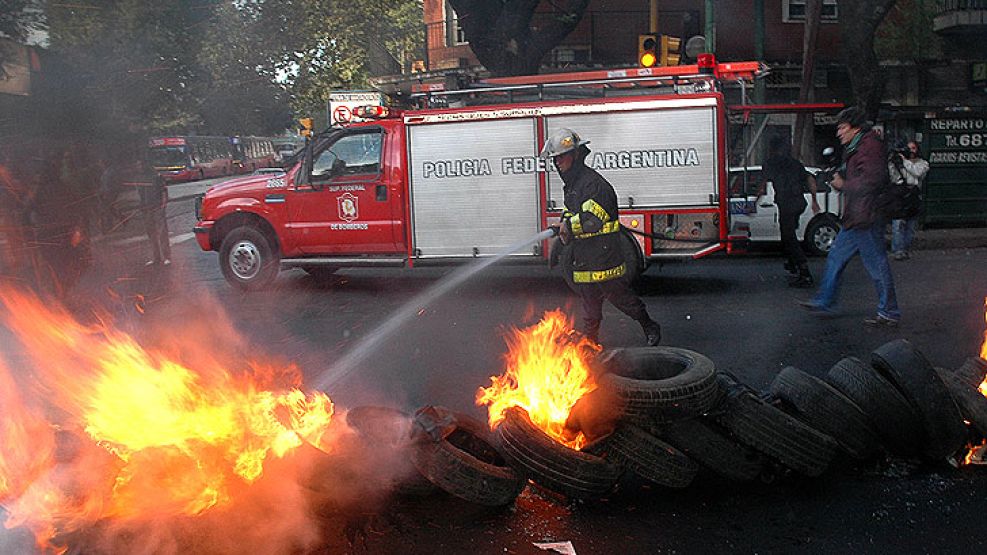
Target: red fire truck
column 448, row 184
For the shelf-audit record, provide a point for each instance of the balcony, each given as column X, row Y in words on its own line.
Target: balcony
column 960, row 17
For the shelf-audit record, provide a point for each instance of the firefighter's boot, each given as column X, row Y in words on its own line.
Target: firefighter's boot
column 804, row 278
column 652, row 332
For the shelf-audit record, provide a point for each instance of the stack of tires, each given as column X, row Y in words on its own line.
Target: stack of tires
column 677, row 415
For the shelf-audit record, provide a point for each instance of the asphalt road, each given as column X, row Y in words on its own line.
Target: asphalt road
column 735, row 310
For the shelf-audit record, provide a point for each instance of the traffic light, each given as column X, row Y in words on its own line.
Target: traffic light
column 647, row 50
column 306, row 130
column 670, row 49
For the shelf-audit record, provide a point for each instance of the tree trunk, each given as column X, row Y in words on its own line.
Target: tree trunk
column 501, row 35
column 859, row 20
column 804, row 121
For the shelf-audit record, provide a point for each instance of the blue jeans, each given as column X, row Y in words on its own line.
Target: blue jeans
column 869, row 244
column 902, row 232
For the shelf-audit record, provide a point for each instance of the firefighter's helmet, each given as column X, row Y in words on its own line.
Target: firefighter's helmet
column 564, row 140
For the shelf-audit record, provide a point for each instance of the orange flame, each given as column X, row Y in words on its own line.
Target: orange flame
column 983, row 347
column 547, row 372
column 158, row 438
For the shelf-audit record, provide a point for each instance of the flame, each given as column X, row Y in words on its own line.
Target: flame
column 547, row 372
column 983, row 347
column 155, row 438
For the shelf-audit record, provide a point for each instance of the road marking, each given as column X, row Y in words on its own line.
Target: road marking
column 174, row 240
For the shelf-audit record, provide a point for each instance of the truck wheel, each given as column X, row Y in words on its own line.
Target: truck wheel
column 663, row 383
column 821, row 406
column 820, row 234
column 247, row 259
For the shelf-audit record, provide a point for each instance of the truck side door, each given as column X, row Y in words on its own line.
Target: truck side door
column 347, row 208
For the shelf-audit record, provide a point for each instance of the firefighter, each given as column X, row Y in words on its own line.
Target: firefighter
column 590, row 229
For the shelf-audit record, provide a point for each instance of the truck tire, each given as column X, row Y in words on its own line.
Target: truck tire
column 894, row 420
column 660, row 383
column 911, row 372
column 247, row 259
column 390, row 429
column 972, row 404
column 649, row 457
column 821, row 406
column 703, row 442
column 633, row 256
column 465, row 464
column 820, row 234
column 550, row 464
column 776, row 434
column 972, row 371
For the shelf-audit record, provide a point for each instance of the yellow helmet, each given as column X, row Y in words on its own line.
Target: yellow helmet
column 564, row 140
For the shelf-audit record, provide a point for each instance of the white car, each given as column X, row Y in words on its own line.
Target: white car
column 759, row 215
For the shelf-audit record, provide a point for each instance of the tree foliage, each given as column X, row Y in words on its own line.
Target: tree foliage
column 907, row 33
column 503, row 38
column 859, row 20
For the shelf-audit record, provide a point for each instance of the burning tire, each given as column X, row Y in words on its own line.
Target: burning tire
column 774, row 433
column 915, row 377
column 649, row 457
column 663, row 383
column 464, row 462
column 972, row 371
column 972, row 403
column 248, row 259
column 826, row 409
column 895, row 421
column 551, row 464
column 701, row 441
column 389, row 428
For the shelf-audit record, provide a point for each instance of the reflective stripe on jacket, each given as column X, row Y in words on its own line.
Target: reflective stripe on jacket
column 591, row 215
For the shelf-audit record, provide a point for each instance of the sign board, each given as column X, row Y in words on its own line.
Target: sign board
column 342, row 104
column 956, row 185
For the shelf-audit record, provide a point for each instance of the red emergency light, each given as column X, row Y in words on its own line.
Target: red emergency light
column 371, row 112
column 706, row 63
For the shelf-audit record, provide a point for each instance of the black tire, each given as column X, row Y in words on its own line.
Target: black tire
column 891, row 416
column 776, row 434
column 820, row 234
column 390, row 429
column 649, row 457
column 247, row 259
column 703, row 442
column 633, row 256
column 465, row 464
column 821, row 406
column 972, row 403
column 914, row 376
column 662, row 383
column 973, row 371
column 550, row 464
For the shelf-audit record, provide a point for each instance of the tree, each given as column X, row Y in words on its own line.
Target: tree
column 859, row 20
column 18, row 19
column 502, row 37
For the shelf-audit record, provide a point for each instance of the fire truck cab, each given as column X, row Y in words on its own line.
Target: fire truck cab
column 440, row 185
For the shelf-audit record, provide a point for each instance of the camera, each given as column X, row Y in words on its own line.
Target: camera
column 898, row 151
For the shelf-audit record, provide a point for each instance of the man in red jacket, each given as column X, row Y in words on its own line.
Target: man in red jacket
column 860, row 179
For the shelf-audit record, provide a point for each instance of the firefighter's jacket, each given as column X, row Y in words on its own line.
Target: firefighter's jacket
column 591, row 215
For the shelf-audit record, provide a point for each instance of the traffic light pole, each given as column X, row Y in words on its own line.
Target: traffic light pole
column 710, row 26
column 653, row 20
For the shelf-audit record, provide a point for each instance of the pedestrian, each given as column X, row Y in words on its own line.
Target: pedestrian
column 590, row 230
column 789, row 178
column 861, row 177
column 153, row 199
column 910, row 168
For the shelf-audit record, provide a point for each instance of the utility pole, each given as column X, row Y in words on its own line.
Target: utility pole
column 653, row 19
column 710, row 27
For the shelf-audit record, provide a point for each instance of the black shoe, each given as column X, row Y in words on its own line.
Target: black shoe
column 880, row 322
column 791, row 268
column 802, row 282
column 652, row 333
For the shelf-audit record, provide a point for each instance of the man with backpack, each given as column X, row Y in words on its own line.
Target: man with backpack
column 863, row 179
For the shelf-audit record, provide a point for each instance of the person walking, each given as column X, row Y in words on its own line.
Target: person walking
column 590, row 229
column 910, row 167
column 787, row 175
column 153, row 199
column 861, row 177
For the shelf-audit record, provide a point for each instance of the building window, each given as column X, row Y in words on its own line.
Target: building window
column 793, row 11
column 454, row 33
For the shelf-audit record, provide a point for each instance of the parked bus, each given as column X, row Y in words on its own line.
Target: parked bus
column 250, row 153
column 190, row 158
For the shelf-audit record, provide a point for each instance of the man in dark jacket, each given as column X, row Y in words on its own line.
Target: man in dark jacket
column 153, row 199
column 591, row 229
column 860, row 179
column 787, row 175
